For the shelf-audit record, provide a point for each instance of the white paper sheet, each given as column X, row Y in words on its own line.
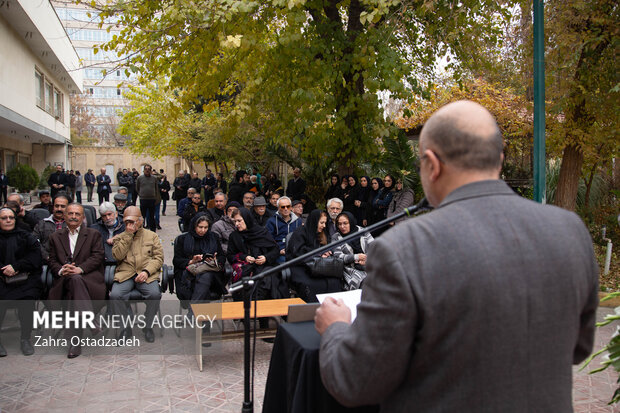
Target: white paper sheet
column 351, row 299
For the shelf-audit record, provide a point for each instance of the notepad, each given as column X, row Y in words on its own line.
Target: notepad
column 351, row 299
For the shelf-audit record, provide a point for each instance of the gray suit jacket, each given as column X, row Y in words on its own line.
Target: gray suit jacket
column 483, row 305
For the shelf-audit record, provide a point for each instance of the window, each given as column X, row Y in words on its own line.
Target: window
column 38, row 88
column 10, row 161
column 49, row 92
column 24, row 159
column 58, row 104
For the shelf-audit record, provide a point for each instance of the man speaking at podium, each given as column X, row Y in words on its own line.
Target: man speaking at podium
column 483, row 305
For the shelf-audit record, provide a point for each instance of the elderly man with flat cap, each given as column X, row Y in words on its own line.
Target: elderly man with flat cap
column 482, row 305
column 139, row 256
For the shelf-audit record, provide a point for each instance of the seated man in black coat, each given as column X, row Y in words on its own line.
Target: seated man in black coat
column 192, row 209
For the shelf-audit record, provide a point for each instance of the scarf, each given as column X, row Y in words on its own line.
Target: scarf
column 255, row 235
column 355, row 244
column 195, row 244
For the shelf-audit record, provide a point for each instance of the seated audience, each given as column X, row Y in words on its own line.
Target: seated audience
column 51, row 224
column 248, row 200
column 225, row 226
column 189, row 249
column 219, row 205
column 45, row 201
column 76, row 261
column 283, row 223
column 185, row 202
column 273, row 202
column 259, row 211
column 192, row 209
column 251, row 250
column 109, row 225
column 353, row 253
column 120, row 202
column 19, row 253
column 139, row 254
column 20, row 224
column 23, row 215
column 298, row 209
column 305, row 239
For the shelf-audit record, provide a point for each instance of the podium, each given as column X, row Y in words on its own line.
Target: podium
column 294, row 381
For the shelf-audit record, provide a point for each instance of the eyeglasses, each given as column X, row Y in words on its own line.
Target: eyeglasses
column 417, row 164
column 285, row 206
column 7, row 218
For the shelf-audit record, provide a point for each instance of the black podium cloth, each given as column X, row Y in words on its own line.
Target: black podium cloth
column 294, row 381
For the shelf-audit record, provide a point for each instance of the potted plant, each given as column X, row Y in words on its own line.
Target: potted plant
column 24, row 178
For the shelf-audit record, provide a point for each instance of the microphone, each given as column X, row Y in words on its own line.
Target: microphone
column 421, row 206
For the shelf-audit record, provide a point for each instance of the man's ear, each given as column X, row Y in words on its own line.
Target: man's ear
column 434, row 165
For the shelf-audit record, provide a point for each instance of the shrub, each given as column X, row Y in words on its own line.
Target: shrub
column 23, row 177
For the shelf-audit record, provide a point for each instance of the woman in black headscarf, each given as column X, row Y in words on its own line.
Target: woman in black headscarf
column 374, row 215
column 350, row 194
column 189, row 249
column 334, row 190
column 305, row 239
column 353, row 253
column 361, row 201
column 251, row 250
column 20, row 252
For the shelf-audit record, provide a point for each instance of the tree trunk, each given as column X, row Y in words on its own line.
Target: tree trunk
column 588, row 183
column 568, row 182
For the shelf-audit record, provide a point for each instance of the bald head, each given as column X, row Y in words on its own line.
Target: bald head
column 465, row 135
column 132, row 211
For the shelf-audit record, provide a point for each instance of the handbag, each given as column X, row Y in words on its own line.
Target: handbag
column 326, row 267
column 17, row 279
column 207, row 264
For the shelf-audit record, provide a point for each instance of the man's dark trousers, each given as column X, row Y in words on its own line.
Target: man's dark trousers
column 147, row 208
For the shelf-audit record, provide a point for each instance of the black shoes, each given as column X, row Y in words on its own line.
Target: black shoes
column 74, row 351
column 2, row 351
column 149, row 335
column 27, row 349
column 158, row 227
column 126, row 334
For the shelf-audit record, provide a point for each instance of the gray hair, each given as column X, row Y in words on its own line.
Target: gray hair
column 220, row 193
column 106, row 207
column 286, row 198
column 338, row 200
column 21, row 198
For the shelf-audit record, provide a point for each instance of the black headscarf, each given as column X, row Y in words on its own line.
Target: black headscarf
column 11, row 242
column 355, row 244
column 304, row 238
column 194, row 243
column 385, row 190
column 363, row 193
column 310, row 227
column 255, row 235
column 374, row 193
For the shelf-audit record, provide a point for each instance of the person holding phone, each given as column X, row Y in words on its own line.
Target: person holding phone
column 196, row 245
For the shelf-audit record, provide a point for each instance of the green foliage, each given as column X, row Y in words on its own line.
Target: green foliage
column 23, row 177
column 399, row 159
column 45, row 175
column 301, row 75
column 612, row 358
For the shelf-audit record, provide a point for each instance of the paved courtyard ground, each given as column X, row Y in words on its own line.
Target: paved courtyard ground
column 163, row 376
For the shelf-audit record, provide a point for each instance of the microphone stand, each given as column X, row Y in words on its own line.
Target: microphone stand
column 246, row 283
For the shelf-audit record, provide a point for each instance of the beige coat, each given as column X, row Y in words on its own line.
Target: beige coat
column 136, row 253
